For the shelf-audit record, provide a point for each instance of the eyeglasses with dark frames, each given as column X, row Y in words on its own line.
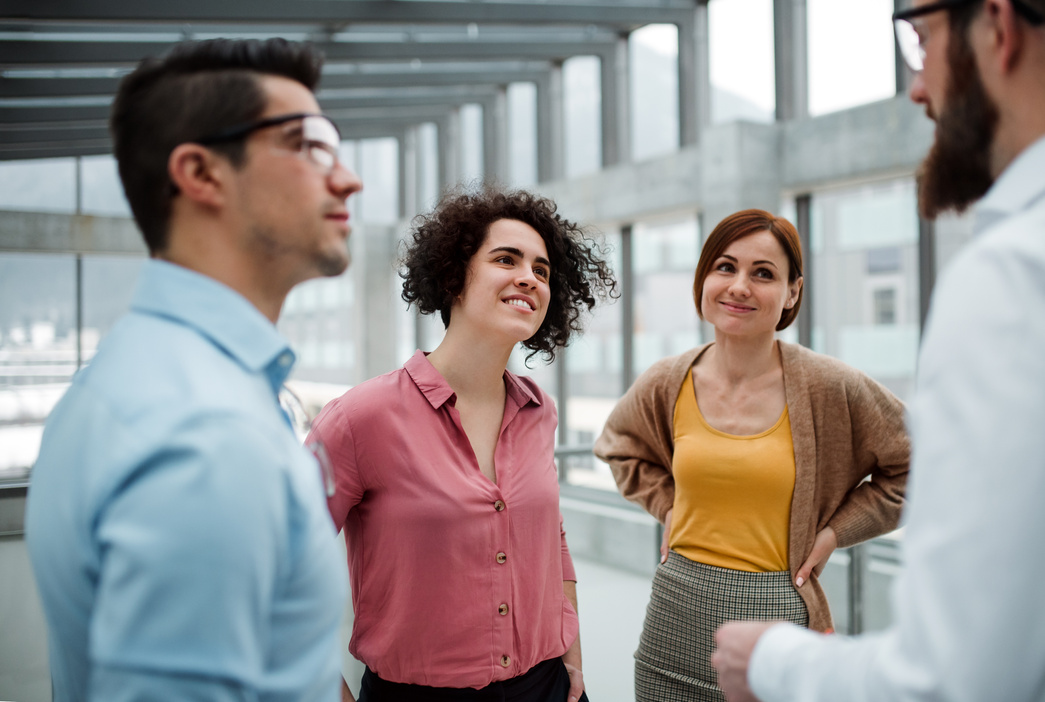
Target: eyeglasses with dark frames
column 910, row 42
column 320, row 138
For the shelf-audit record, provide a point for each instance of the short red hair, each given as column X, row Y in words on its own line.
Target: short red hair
column 745, row 223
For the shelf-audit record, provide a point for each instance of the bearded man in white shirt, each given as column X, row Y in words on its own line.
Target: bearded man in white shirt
column 969, row 618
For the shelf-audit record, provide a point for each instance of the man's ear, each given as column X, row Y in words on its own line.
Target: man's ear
column 1006, row 34
column 198, row 173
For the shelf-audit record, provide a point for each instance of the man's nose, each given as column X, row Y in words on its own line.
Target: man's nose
column 343, row 181
column 917, row 92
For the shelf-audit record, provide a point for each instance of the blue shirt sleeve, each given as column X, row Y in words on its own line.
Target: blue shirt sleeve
column 191, row 547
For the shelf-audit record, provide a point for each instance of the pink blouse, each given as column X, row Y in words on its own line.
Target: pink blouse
column 456, row 581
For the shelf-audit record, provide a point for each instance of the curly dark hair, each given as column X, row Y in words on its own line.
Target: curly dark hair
column 442, row 242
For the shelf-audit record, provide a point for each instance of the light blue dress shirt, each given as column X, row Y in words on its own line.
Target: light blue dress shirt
column 178, row 532
column 970, row 622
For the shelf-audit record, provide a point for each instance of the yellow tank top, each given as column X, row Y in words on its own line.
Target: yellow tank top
column 732, row 493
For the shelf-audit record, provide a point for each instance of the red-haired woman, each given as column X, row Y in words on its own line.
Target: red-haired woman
column 759, row 457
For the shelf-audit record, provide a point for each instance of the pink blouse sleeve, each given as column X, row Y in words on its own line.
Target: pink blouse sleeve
column 333, row 431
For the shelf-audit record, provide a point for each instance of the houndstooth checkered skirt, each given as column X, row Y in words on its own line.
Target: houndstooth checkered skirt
column 689, row 602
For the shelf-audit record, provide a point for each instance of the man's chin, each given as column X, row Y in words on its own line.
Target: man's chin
column 950, row 182
column 333, row 265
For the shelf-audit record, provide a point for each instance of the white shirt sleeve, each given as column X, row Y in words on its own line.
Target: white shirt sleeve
column 968, row 607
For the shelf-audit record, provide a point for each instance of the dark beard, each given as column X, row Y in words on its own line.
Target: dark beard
column 956, row 172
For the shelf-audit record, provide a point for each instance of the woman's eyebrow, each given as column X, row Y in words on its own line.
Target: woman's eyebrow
column 754, row 263
column 517, row 252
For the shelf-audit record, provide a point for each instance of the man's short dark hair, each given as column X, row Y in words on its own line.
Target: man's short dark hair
column 436, row 258
column 197, row 89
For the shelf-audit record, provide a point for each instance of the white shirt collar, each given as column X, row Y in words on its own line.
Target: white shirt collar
column 1018, row 187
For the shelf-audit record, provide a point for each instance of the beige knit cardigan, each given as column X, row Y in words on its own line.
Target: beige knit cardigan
column 845, row 427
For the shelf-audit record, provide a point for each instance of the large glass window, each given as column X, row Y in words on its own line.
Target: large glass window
column 594, row 383
column 377, row 162
column 101, row 190
column 582, row 105
column 41, row 185
column 664, row 261
column 40, row 346
column 428, row 169
column 852, row 59
column 864, row 279
column 319, row 319
column 740, row 43
column 653, row 62
column 108, row 287
column 522, row 134
column 471, row 143
column 37, row 351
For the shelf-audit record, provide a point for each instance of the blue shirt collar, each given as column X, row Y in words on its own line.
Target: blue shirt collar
column 218, row 313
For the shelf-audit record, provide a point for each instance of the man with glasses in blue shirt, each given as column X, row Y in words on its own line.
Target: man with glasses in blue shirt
column 969, row 621
column 177, row 530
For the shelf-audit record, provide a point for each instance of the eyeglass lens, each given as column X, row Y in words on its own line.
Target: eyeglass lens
column 910, row 44
column 321, row 141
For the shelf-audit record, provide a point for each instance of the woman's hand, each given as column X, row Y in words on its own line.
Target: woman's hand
column 572, row 658
column 576, row 681
column 667, row 536
column 824, row 545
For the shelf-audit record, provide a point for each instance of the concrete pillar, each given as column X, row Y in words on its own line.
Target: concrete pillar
column 377, row 304
column 495, row 138
column 427, row 164
column 449, row 149
column 409, row 173
column 740, row 168
column 903, row 73
column 926, row 267
column 791, row 49
column 694, row 76
column 627, row 299
column 804, row 223
column 550, row 141
column 616, row 104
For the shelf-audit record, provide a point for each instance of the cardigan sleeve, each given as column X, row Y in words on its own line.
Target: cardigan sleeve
column 882, row 453
column 637, row 440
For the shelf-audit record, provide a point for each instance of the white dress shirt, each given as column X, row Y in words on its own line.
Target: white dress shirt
column 970, row 604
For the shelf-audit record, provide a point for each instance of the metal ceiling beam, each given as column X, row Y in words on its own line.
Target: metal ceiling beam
column 20, row 54
column 356, row 124
column 53, row 132
column 62, row 118
column 456, row 95
column 383, row 130
column 627, row 15
column 90, row 147
column 400, row 109
column 413, row 114
column 56, row 87
column 78, row 87
column 62, row 113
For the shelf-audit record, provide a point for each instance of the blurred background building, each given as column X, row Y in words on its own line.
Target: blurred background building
column 647, row 120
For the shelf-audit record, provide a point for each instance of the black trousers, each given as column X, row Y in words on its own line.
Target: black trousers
column 545, row 682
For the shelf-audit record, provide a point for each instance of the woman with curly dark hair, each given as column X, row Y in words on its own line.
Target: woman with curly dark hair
column 446, row 486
